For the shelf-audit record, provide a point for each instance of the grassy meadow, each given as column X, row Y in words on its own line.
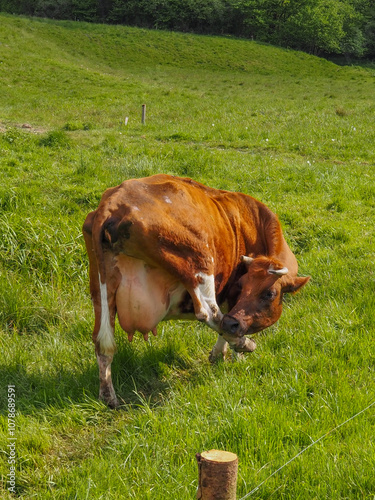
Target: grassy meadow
column 293, row 130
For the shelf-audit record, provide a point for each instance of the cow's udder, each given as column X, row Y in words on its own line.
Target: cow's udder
column 145, row 294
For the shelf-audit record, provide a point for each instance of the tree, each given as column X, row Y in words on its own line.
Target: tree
column 317, row 26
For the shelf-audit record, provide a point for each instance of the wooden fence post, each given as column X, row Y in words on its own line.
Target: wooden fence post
column 143, row 113
column 217, row 475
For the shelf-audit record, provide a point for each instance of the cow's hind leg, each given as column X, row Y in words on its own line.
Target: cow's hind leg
column 105, row 346
column 103, row 300
column 106, row 391
column 207, row 310
column 204, row 301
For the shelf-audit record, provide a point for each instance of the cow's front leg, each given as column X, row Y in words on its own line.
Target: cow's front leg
column 219, row 349
column 207, row 310
column 204, row 301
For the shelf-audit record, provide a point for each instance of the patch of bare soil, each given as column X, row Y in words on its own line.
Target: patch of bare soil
column 24, row 126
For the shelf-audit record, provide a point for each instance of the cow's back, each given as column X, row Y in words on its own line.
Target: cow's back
column 171, row 222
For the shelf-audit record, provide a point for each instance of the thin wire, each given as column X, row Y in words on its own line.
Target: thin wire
column 307, row 447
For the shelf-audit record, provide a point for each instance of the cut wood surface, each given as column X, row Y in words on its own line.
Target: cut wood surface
column 217, row 475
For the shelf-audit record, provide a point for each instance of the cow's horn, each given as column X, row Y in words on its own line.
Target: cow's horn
column 279, row 272
column 246, row 260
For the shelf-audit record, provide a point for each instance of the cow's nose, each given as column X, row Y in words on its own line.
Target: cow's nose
column 229, row 324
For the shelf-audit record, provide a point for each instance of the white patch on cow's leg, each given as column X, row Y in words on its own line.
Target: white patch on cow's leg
column 106, row 391
column 105, row 338
column 219, row 349
column 204, row 299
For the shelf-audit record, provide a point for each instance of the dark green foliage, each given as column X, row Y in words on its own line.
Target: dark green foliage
column 72, row 126
column 79, row 10
column 55, row 139
column 341, row 27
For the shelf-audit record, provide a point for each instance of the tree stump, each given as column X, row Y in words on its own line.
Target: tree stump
column 217, row 475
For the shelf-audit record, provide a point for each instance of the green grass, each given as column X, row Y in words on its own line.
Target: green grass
column 292, row 130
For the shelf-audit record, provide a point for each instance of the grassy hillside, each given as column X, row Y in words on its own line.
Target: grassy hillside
column 292, row 130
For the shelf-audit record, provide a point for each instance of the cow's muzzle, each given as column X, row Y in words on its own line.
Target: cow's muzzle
column 230, row 325
column 233, row 332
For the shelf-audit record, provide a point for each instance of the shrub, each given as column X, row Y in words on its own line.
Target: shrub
column 55, row 139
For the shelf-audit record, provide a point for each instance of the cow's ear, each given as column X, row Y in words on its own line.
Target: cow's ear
column 294, row 284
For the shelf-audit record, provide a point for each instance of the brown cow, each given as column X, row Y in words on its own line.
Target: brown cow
column 165, row 247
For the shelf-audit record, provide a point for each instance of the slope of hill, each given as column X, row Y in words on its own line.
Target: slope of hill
column 67, row 60
column 294, row 131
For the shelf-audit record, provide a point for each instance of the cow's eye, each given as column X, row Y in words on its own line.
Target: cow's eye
column 268, row 295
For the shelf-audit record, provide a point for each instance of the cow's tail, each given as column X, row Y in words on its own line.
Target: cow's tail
column 93, row 232
column 98, row 231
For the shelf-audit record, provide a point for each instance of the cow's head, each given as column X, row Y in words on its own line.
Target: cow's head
column 259, row 301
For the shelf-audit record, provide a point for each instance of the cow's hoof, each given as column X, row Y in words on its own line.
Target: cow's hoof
column 215, row 356
column 245, row 345
column 109, row 399
column 113, row 404
column 237, row 356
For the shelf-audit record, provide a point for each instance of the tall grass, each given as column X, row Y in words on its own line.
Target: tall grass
column 292, row 130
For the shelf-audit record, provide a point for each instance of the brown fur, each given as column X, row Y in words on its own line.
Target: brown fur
column 180, row 233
